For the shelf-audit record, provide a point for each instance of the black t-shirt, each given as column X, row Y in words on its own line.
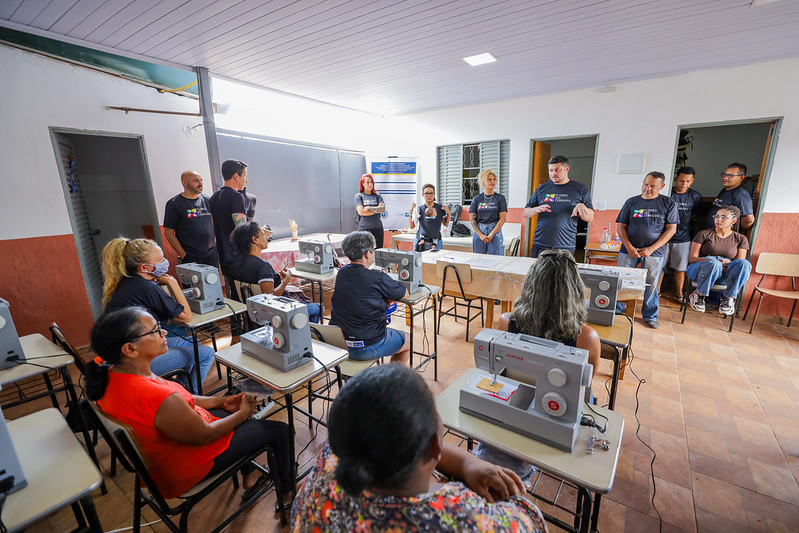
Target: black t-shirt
column 488, row 208
column 513, row 328
column 359, row 302
column 688, row 203
column 558, row 228
column 646, row 220
column 193, row 224
column 251, row 269
column 224, row 203
column 369, row 200
column 739, row 197
column 136, row 290
column 430, row 227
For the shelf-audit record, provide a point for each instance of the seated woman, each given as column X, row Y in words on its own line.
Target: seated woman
column 431, row 216
column 359, row 303
column 376, row 472
column 186, row 438
column 552, row 306
column 134, row 271
column 718, row 255
column 249, row 240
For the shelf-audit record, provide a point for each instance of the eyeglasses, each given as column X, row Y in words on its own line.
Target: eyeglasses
column 725, row 175
column 429, row 193
column 158, row 330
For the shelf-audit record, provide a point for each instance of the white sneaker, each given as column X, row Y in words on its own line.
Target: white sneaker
column 727, row 306
column 697, row 302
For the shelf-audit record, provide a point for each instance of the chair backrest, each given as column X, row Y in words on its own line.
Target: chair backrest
column 245, row 290
column 329, row 334
column 453, row 276
column 774, row 264
column 513, row 249
column 60, row 339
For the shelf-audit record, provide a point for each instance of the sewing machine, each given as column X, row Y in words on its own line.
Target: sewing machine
column 10, row 347
column 205, row 291
column 604, row 288
column 551, row 410
column 408, row 263
column 11, row 477
column 285, row 341
column 319, row 258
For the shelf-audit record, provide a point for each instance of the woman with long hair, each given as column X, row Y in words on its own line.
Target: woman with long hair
column 377, row 471
column 487, row 212
column 186, row 438
column 135, row 271
column 369, row 205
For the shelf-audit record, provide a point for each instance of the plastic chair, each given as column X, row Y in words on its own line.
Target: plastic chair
column 463, row 274
column 688, row 288
column 771, row 264
column 124, row 444
column 513, row 248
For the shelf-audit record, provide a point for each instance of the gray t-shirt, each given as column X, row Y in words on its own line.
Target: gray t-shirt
column 369, row 200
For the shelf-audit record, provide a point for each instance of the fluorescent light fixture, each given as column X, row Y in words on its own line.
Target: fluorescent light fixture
column 480, row 59
column 757, row 3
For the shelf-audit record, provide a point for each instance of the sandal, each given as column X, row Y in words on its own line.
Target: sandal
column 248, row 493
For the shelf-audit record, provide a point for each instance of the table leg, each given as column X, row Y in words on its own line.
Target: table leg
column 435, row 341
column 49, row 386
column 196, row 343
column 595, row 512
column 412, row 314
column 583, row 510
column 91, row 514
column 292, row 432
column 614, row 382
column 489, row 313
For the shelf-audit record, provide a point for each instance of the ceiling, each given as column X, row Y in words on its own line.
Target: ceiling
column 395, row 57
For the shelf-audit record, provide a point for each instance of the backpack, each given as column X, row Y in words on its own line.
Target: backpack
column 459, row 229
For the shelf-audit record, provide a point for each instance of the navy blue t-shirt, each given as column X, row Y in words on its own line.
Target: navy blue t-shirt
column 430, row 227
column 251, row 269
column 224, row 203
column 359, row 302
column 369, row 200
column 136, row 290
column 193, row 224
column 646, row 220
column 739, row 197
column 488, row 208
column 688, row 203
column 557, row 228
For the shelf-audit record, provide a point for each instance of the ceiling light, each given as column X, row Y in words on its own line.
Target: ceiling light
column 757, row 3
column 480, row 59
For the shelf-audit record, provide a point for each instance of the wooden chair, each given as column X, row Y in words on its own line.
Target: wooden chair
column 771, row 264
column 689, row 286
column 125, row 446
column 453, row 288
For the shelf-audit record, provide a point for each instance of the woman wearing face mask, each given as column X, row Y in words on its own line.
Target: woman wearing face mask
column 134, row 270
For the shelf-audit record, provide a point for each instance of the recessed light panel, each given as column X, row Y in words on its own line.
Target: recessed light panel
column 480, row 59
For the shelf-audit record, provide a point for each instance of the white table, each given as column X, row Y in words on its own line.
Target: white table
column 421, row 296
column 57, row 469
column 592, row 473
column 458, row 244
column 315, row 280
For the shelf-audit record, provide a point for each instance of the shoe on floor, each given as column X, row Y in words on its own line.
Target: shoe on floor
column 654, row 324
column 697, row 302
column 248, row 493
column 678, row 299
column 727, row 306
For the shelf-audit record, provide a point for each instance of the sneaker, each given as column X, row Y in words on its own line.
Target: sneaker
column 654, row 324
column 727, row 305
column 697, row 302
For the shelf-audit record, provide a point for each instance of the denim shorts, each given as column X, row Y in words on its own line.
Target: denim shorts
column 391, row 344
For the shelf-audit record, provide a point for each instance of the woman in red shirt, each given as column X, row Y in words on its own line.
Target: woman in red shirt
column 186, row 438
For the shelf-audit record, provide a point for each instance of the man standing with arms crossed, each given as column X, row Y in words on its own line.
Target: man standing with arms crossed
column 678, row 249
column 228, row 208
column 558, row 203
column 733, row 194
column 647, row 222
column 188, row 225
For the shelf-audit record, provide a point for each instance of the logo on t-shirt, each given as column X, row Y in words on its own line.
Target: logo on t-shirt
column 557, row 197
column 646, row 213
column 191, row 213
column 637, row 213
column 549, row 197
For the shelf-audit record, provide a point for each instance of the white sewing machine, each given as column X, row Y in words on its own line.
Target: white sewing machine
column 408, row 263
column 10, row 347
column 319, row 256
column 205, row 292
column 285, row 341
column 551, row 410
column 604, row 287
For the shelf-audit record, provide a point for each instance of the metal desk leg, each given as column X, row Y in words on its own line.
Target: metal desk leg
column 595, row 512
column 292, row 432
column 582, row 521
column 435, row 342
column 614, row 382
column 196, row 342
column 49, row 386
column 91, row 514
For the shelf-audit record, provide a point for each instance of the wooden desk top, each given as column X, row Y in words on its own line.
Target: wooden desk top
column 616, row 335
column 36, row 345
column 276, row 379
column 57, row 468
column 595, row 472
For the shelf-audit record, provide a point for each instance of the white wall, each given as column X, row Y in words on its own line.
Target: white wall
column 37, row 92
column 639, row 117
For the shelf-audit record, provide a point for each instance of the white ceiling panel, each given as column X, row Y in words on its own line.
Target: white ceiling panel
column 402, row 56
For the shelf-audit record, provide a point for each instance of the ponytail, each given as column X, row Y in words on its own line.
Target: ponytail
column 121, row 259
column 96, row 380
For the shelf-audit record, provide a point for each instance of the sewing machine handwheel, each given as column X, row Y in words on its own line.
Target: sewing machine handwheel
column 211, row 278
column 299, row 320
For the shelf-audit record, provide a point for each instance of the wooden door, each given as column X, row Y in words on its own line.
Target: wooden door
column 539, row 174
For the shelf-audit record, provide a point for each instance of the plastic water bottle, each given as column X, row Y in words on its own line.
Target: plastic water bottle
column 606, row 237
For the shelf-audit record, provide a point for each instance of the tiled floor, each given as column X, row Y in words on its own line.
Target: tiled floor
column 718, row 408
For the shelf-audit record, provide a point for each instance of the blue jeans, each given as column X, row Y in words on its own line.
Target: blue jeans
column 492, row 248
column 391, row 344
column 181, row 355
column 653, row 266
column 439, row 243
column 315, row 312
column 709, row 272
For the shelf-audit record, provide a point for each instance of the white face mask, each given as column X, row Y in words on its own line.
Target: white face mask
column 159, row 269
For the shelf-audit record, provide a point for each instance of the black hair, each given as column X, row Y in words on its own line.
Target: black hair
column 428, row 185
column 380, row 425
column 740, row 166
column 109, row 334
column 559, row 159
column 231, row 167
column 686, row 170
column 357, row 243
column 241, row 237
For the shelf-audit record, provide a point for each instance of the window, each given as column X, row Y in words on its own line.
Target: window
column 460, row 164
